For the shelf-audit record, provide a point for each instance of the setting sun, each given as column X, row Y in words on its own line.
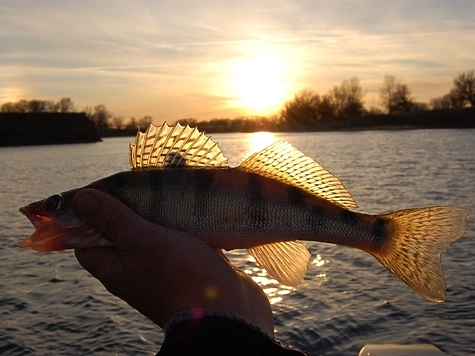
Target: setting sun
column 258, row 83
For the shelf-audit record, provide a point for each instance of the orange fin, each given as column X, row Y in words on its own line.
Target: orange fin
column 286, row 261
column 174, row 146
column 413, row 252
column 285, row 163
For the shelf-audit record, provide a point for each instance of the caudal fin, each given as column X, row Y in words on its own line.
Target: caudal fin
column 420, row 236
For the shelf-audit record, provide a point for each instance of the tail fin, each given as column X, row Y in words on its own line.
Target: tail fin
column 419, row 238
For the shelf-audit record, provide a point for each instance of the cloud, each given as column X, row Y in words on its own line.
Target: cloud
column 175, row 56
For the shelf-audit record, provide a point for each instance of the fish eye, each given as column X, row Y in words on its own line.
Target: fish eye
column 54, row 202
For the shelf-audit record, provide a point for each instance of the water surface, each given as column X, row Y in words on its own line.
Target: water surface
column 50, row 305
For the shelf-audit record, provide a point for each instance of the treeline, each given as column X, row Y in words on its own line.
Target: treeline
column 342, row 106
column 345, row 102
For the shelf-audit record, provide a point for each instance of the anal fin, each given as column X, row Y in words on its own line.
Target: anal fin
column 286, row 261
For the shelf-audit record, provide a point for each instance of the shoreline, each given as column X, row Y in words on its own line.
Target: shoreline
column 29, row 129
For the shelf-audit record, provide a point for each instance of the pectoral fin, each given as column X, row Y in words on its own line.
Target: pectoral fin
column 286, row 261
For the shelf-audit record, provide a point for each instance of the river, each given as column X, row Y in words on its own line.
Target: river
column 50, row 306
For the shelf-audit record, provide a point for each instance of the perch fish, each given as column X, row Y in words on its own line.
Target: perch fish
column 180, row 179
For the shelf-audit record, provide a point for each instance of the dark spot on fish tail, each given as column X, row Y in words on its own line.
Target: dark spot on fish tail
column 257, row 207
column 379, row 232
column 349, row 218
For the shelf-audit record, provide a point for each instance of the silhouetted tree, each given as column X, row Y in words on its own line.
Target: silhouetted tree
column 303, row 109
column 464, row 88
column 7, row 107
column 101, row 117
column 190, row 122
column 117, row 122
column 348, row 98
column 132, row 124
column 37, row 106
column 145, row 122
column 447, row 101
column 66, row 105
column 396, row 96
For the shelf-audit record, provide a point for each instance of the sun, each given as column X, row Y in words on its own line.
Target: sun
column 258, row 83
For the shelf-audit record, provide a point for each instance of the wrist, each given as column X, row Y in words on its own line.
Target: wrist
column 198, row 332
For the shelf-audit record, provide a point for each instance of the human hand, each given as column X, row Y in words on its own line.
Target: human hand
column 161, row 271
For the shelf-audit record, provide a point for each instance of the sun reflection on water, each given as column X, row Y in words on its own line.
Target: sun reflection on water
column 260, row 140
column 272, row 288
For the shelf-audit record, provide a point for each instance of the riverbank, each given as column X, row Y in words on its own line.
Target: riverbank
column 27, row 129
column 22, row 129
column 431, row 119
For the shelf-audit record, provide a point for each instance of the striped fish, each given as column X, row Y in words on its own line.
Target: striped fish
column 180, row 179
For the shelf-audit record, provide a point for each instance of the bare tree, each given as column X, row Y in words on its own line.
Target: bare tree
column 464, row 88
column 348, row 98
column 302, row 110
column 66, row 105
column 8, row 107
column 145, row 122
column 396, row 96
column 101, row 117
column 132, row 124
column 118, row 122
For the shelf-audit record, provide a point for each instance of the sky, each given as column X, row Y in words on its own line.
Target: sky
column 215, row 59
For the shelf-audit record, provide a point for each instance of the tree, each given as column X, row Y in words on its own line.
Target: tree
column 447, row 101
column 145, row 122
column 464, row 88
column 36, row 106
column 117, row 122
column 66, row 105
column 132, row 124
column 396, row 96
column 101, row 117
column 348, row 98
column 8, row 107
column 302, row 110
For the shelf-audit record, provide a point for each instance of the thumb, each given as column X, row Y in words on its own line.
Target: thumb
column 107, row 215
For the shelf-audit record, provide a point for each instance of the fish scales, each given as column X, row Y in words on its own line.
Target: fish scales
column 239, row 209
column 180, row 179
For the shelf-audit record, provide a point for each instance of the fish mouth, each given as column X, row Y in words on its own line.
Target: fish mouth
column 45, row 234
column 48, row 236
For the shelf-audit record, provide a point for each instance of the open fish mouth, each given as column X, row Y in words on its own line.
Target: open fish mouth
column 45, row 234
column 50, row 236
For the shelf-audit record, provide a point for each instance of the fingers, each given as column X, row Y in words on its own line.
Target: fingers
column 97, row 261
column 110, row 217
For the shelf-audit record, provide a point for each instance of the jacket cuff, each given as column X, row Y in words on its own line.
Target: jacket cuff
column 197, row 332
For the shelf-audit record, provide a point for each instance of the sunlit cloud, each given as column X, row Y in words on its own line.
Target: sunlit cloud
column 189, row 59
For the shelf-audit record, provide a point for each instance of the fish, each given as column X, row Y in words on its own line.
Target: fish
column 271, row 201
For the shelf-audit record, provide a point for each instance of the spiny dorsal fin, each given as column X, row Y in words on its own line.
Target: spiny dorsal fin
column 283, row 162
column 286, row 261
column 174, row 146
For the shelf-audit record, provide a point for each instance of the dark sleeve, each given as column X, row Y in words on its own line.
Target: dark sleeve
column 219, row 334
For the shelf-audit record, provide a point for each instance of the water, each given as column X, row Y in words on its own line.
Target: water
column 50, row 305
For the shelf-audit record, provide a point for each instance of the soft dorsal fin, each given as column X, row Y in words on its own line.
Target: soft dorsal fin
column 174, row 146
column 283, row 162
column 286, row 261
